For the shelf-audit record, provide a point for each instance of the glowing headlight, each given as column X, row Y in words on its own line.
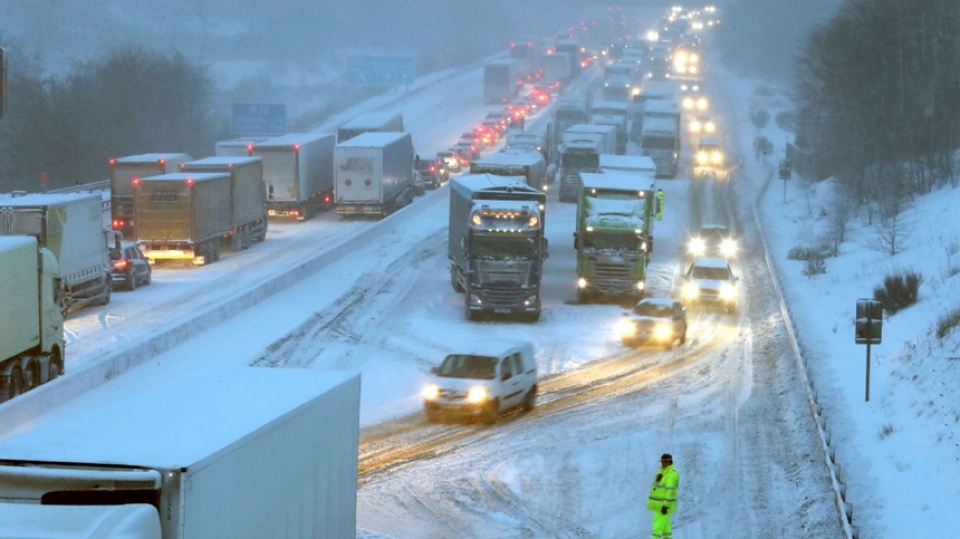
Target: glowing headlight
column 475, row 300
column 695, row 126
column 726, row 291
column 688, row 103
column 581, row 283
column 702, row 158
column 716, row 158
column 477, row 394
column 728, row 247
column 702, row 103
column 430, row 392
column 710, row 127
column 626, row 328
column 691, row 290
column 662, row 331
column 697, row 246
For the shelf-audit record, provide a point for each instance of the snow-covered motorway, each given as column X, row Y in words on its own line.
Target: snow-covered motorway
column 375, row 297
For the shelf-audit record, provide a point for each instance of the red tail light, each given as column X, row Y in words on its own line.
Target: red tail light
column 120, row 264
column 135, row 182
column 118, row 223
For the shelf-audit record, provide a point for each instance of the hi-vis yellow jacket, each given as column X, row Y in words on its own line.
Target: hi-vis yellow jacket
column 664, row 492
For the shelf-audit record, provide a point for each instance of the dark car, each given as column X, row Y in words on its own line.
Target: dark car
column 128, row 267
column 434, row 172
column 660, row 321
column 451, row 161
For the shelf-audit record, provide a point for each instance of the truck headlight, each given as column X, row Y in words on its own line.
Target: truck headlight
column 702, row 158
column 475, row 300
column 726, row 292
column 716, row 158
column 531, row 300
column 430, row 392
column 691, row 290
column 728, row 247
column 581, row 283
column 477, row 394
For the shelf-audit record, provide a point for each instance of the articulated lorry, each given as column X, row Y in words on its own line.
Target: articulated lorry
column 613, row 113
column 247, row 195
column 184, row 216
column 239, row 452
column 125, row 172
column 502, row 80
column 71, row 226
column 374, row 174
column 526, row 52
column 525, row 162
column 371, row 122
column 31, row 335
column 660, row 140
column 497, row 245
column 580, row 151
column 614, row 235
column 298, row 173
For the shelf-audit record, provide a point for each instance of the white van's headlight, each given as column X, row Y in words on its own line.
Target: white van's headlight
column 691, row 290
column 726, row 291
column 477, row 394
column 430, row 392
column 662, row 331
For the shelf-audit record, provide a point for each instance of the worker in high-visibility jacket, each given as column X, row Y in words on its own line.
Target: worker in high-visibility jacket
column 663, row 497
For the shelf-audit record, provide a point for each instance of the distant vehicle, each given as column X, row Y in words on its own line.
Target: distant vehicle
column 711, row 282
column 128, row 267
column 298, row 173
column 714, row 241
column 451, row 159
column 418, row 186
column 374, row 173
column 502, row 80
column 125, row 172
column 371, row 122
column 433, row 170
column 661, row 321
column 467, row 150
column 709, row 158
column 482, row 380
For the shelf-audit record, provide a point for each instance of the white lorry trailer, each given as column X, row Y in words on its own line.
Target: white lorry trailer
column 502, row 80
column 613, row 113
column 526, row 162
column 580, row 151
column 239, row 452
column 71, row 226
column 31, row 335
column 298, row 173
column 247, row 195
column 630, row 164
column 371, row 122
column 374, row 173
column 237, row 147
column 125, row 173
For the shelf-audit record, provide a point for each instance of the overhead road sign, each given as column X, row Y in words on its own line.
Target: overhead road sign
column 252, row 119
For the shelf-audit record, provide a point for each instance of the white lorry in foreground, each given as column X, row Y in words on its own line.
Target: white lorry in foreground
column 31, row 335
column 238, row 452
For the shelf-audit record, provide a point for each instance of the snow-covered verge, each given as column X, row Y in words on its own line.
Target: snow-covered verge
column 904, row 439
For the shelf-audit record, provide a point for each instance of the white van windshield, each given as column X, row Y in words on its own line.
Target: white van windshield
column 468, row 366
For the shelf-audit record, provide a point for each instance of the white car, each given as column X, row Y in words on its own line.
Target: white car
column 482, row 380
column 711, row 282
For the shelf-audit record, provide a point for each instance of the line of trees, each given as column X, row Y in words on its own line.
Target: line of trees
column 878, row 90
column 129, row 101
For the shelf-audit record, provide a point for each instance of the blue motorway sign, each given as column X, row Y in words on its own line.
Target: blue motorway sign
column 259, row 119
column 380, row 70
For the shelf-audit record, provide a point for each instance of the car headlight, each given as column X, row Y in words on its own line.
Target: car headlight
column 726, row 292
column 626, row 328
column 662, row 331
column 691, row 290
column 477, row 394
column 430, row 392
column 728, row 247
column 697, row 246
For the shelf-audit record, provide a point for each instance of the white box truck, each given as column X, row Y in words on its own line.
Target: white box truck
column 580, row 151
column 374, row 173
column 238, row 452
column 630, row 164
column 31, row 335
column 298, row 173
column 125, row 173
column 71, row 226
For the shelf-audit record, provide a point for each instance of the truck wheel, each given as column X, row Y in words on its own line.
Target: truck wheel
column 55, row 369
column 14, row 385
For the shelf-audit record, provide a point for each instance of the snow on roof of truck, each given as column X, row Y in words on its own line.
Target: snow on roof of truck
column 590, row 128
column 661, row 106
column 477, row 182
column 175, row 423
column 290, row 139
column 184, row 176
column 374, row 139
column 218, row 161
column 627, row 162
column 616, row 180
column 43, row 199
column 371, row 119
column 151, row 157
column 656, row 123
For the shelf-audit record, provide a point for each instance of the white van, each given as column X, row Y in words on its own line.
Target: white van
column 482, row 380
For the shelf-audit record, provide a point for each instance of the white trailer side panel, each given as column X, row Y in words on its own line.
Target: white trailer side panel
column 19, row 290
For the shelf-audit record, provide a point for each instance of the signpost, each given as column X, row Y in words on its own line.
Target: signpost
column 869, row 328
column 260, row 119
column 380, row 70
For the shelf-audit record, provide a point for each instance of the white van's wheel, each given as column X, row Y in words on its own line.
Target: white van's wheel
column 530, row 400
